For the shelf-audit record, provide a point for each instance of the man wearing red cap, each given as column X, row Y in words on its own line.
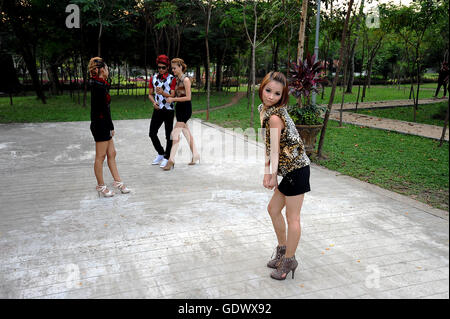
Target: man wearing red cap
column 163, row 84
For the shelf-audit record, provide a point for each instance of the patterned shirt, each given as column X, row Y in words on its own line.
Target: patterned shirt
column 292, row 150
column 167, row 83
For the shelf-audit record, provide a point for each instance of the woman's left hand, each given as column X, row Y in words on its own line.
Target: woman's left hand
column 169, row 99
column 112, row 133
column 273, row 183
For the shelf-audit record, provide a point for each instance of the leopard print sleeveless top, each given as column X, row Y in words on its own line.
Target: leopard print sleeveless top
column 292, row 150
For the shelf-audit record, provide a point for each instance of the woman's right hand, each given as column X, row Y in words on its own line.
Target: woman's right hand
column 155, row 106
column 266, row 180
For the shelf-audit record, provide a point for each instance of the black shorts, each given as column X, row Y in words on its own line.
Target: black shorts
column 295, row 182
column 100, row 131
column 183, row 111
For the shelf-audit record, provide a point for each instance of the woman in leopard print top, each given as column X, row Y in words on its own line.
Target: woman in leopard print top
column 285, row 156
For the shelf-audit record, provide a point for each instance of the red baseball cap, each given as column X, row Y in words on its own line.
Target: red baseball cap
column 164, row 59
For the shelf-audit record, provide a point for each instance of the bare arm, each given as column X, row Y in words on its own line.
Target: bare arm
column 276, row 125
column 150, row 95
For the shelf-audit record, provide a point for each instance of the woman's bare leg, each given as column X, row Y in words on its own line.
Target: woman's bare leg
column 176, row 140
column 190, row 139
column 274, row 208
column 293, row 208
column 100, row 154
column 111, row 159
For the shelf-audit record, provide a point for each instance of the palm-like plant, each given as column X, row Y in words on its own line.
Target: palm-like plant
column 304, row 78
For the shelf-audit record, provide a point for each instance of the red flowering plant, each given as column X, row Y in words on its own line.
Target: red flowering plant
column 304, row 78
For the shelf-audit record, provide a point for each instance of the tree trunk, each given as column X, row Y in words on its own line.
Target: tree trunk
column 351, row 67
column 301, row 31
column 353, row 50
column 275, row 55
column 30, row 61
column 219, row 75
column 118, row 79
column 416, row 103
column 254, row 65
column 208, row 90
column 53, row 82
column 333, row 89
column 145, row 59
column 77, row 78
column 345, row 67
column 360, row 76
column 198, row 77
column 238, row 71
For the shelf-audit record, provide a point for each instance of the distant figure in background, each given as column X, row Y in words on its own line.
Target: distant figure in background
column 163, row 85
column 442, row 79
column 102, row 127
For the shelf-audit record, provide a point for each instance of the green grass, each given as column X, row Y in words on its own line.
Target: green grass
column 374, row 93
column 406, row 164
column 425, row 113
column 63, row 109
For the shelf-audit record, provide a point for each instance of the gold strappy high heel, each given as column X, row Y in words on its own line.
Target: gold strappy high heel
column 195, row 159
column 170, row 165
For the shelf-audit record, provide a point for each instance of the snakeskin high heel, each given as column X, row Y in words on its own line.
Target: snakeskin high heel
column 280, row 252
column 286, row 265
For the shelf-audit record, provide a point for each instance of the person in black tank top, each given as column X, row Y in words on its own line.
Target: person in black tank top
column 183, row 111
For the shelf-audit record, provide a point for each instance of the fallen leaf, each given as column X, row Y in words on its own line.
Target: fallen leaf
column 106, row 225
column 406, row 213
column 302, row 286
column 356, row 145
column 323, row 253
column 327, row 248
column 358, row 261
column 418, row 267
column 331, row 245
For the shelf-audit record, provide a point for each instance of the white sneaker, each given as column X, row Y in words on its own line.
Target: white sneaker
column 158, row 159
column 163, row 163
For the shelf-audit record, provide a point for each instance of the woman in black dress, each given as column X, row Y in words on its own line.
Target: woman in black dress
column 102, row 127
column 183, row 112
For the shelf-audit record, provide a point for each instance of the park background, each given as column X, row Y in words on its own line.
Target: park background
column 228, row 47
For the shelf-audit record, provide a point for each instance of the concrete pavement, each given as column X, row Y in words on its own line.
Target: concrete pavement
column 198, row 231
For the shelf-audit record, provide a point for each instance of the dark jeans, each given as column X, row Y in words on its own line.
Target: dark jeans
column 158, row 118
